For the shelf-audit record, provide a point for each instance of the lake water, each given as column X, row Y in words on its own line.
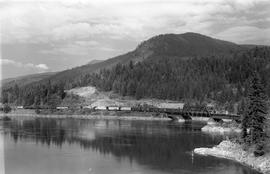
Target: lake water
column 73, row 146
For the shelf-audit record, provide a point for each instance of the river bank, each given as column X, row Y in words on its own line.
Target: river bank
column 233, row 151
column 88, row 114
column 100, row 115
column 77, row 116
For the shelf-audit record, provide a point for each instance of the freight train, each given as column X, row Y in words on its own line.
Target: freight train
column 138, row 108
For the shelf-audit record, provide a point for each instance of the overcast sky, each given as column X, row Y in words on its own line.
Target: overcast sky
column 40, row 36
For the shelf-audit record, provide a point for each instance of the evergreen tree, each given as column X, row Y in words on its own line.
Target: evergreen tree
column 254, row 116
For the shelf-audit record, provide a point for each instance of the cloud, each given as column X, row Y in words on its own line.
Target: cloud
column 89, row 43
column 79, row 48
column 77, row 30
column 55, row 31
column 41, row 67
column 51, row 21
column 246, row 34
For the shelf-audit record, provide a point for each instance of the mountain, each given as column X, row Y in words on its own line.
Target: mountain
column 166, row 45
column 170, row 66
column 24, row 80
column 186, row 45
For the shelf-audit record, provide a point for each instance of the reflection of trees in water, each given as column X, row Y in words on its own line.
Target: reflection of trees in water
column 160, row 150
column 162, row 145
column 45, row 131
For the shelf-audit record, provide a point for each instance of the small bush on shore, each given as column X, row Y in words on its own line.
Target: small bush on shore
column 6, row 108
column 259, row 150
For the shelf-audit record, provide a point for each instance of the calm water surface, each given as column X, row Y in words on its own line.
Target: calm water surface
column 72, row 146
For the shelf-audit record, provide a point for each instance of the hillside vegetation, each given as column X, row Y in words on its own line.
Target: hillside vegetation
column 182, row 46
column 24, row 80
column 182, row 67
column 224, row 80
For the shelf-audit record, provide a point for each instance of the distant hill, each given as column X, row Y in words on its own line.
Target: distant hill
column 166, row 45
column 24, row 80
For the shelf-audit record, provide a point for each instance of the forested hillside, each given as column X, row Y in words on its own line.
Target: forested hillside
column 220, row 79
column 176, row 67
column 180, row 46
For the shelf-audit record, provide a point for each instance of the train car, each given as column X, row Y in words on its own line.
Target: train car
column 223, row 112
column 113, row 108
column 125, row 108
column 171, row 105
column 87, row 107
column 100, row 108
column 61, row 107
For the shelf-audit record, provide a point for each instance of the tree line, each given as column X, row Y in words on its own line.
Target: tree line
column 36, row 94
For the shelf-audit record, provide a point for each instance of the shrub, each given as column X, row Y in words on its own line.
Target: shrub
column 258, row 153
column 6, row 108
column 259, row 150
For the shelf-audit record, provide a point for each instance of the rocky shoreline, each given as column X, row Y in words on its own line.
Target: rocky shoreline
column 220, row 129
column 233, row 151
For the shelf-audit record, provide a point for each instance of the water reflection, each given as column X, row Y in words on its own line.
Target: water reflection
column 162, row 146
